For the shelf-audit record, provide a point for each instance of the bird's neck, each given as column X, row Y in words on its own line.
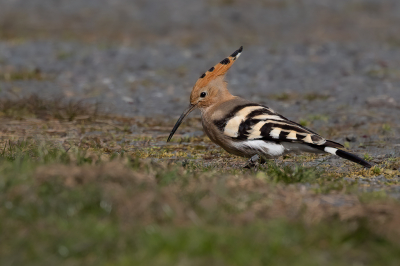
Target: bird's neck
column 223, row 96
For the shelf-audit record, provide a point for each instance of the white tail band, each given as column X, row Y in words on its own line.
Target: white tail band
column 330, row 150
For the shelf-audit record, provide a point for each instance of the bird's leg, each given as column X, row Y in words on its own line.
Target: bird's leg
column 263, row 161
column 252, row 162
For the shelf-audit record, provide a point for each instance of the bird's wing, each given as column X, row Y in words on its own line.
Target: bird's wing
column 258, row 122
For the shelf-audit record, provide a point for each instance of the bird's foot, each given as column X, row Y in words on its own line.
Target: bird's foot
column 252, row 162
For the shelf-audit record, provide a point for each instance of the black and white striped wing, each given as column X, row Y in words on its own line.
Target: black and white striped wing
column 257, row 122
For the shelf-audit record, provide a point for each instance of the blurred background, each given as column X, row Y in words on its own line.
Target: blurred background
column 142, row 57
column 81, row 188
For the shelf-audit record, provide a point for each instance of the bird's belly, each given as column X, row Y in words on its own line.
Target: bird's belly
column 266, row 149
column 293, row 147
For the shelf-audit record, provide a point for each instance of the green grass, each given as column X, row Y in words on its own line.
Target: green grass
column 367, row 157
column 290, row 175
column 68, row 208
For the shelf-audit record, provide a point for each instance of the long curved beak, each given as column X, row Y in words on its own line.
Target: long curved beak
column 178, row 123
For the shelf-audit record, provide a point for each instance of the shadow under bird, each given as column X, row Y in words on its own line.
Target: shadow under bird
column 249, row 129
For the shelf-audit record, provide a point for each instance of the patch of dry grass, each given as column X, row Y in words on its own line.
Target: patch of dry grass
column 14, row 75
column 42, row 108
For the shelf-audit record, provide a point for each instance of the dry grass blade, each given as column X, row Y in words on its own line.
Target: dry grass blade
column 43, row 108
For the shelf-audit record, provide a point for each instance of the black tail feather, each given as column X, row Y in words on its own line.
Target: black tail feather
column 353, row 158
column 343, row 154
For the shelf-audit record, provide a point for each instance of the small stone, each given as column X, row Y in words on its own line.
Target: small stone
column 351, row 139
column 382, row 101
column 127, row 99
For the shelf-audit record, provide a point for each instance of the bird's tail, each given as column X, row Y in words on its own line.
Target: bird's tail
column 333, row 148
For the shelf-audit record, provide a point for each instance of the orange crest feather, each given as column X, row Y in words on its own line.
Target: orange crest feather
column 219, row 69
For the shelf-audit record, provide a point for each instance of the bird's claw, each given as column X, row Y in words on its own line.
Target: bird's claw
column 252, row 162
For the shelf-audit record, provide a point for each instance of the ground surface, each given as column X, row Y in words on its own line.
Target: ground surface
column 91, row 89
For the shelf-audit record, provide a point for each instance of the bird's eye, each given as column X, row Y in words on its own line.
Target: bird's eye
column 203, row 94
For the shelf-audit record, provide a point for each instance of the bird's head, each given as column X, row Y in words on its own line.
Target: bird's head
column 210, row 88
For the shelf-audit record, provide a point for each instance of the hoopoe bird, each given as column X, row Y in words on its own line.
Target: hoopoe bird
column 249, row 129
